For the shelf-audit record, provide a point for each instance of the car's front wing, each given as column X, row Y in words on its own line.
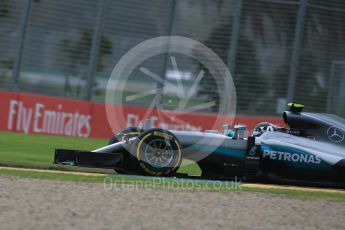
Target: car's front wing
column 88, row 159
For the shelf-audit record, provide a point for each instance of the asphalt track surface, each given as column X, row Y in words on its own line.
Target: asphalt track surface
column 244, row 185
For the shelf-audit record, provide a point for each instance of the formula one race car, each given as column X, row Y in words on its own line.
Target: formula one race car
column 311, row 151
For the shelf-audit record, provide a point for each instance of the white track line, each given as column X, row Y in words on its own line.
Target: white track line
column 292, row 188
column 52, row 171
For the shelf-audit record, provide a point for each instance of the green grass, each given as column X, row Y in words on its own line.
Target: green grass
column 52, row 176
column 37, row 151
column 331, row 196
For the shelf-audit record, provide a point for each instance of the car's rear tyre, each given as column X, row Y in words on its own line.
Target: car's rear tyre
column 158, row 153
column 133, row 131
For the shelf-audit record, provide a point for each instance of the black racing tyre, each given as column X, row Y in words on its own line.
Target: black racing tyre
column 116, row 138
column 158, row 153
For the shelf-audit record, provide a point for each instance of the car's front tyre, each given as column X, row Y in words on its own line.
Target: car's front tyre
column 158, row 153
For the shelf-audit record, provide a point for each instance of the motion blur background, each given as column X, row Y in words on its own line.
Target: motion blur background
column 277, row 50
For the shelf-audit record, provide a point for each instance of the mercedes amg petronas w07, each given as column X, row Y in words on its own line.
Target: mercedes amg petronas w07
column 310, row 150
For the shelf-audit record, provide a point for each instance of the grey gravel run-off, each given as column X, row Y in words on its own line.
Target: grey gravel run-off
column 45, row 204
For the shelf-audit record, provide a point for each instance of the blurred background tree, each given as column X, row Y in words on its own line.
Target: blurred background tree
column 77, row 53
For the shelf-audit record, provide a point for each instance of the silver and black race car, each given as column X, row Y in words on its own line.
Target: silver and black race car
column 310, row 151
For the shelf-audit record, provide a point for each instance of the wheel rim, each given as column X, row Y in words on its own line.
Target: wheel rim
column 158, row 153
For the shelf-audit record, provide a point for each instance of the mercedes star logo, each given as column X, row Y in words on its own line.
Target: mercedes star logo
column 335, row 135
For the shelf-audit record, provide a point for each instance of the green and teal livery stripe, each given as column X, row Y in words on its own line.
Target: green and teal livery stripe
column 221, row 150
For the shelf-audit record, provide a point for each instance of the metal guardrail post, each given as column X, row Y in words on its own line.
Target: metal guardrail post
column 19, row 55
column 296, row 50
column 160, row 86
column 234, row 36
column 93, row 61
column 331, row 106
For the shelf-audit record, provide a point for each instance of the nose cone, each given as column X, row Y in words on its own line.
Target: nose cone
column 113, row 148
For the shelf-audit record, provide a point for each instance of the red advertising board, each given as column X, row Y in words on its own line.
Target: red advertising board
column 33, row 114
